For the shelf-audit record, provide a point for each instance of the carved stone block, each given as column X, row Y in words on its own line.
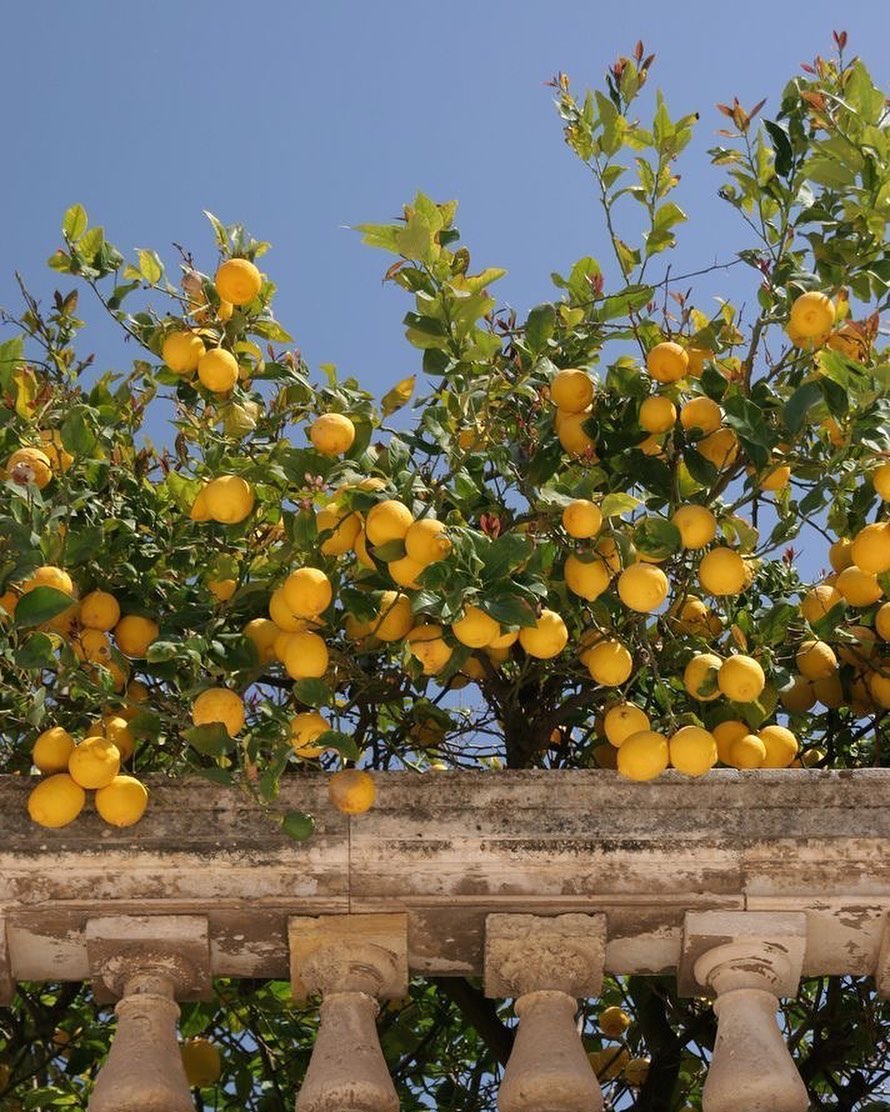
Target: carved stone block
column 349, row 953
column 774, row 941
column 175, row 947
column 529, row 953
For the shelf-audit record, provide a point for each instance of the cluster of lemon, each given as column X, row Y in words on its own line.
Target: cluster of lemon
column 89, row 623
column 611, row 1063
column 72, row 769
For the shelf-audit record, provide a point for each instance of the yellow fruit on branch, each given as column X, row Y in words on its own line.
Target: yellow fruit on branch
column 475, row 629
column 859, row 588
column 352, row 791
column 748, row 751
column 181, row 351
column 798, row 695
column 609, row 662
column 307, row 592
column 571, row 390
column 780, row 745
column 720, row 448
column 405, row 571
column 816, row 660
column 49, row 576
column 201, row 1060
column 839, row 554
column 701, row 413
column 667, row 361
column 725, row 733
column 871, row 548
column 218, row 370
column 305, row 729
column 228, row 499
column 427, row 644
column 586, row 578
column 238, row 281
column 693, row 750
column 812, row 315
column 122, row 802
column 696, row 524
column 658, row 414
column 643, row 755
column 623, row 719
column 56, row 801
column 722, row 572
column 261, row 632
column 880, row 478
column 134, row 633
column 94, row 763
column 700, row 677
column 343, row 529
column 642, row 587
column 427, row 542
column 613, row 1022
column 388, row 521
column 305, row 656
column 332, row 434
column 818, row 601
column 570, row 432
column 30, row 465
column 741, row 679
column 546, row 638
column 52, row 749
column 582, row 519
column 99, row 610
column 394, row 617
column 219, row 705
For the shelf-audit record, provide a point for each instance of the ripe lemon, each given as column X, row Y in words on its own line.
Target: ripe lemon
column 351, row 791
column 395, row 619
column 839, row 554
column 607, row 547
column 426, row 541
column 700, row 677
column 200, row 1058
column 586, row 578
column 94, row 763
column 305, row 728
column 882, row 622
column 282, row 615
column 635, row 1072
column 360, row 548
column 218, row 370
column 581, row 519
column 219, row 704
column 355, row 629
column 871, row 548
column 134, row 634
column 388, row 521
column 690, row 615
column 722, row 572
column 123, row 801
column 504, row 641
column 776, row 477
column 199, row 511
column 222, row 589
column 54, row 450
column 608, row 1064
column 696, row 524
column 332, row 434
column 475, row 628
column 642, row 587
column 812, row 314
column 701, row 413
column 818, row 601
column 546, row 638
column 93, row 645
column 229, row 499
column 181, row 351
column 238, row 281
column 307, row 592
column 261, row 632
column 344, row 529
column 880, row 479
column 8, row 602
column 741, row 679
column 56, row 801
column 427, row 644
column 798, row 695
column 30, row 465
column 830, row 691
column 571, row 390
column 725, row 733
column 623, row 719
column 613, row 1022
column 693, row 750
column 49, row 576
column 859, row 588
column 643, row 755
column 720, row 448
column 780, row 744
column 879, row 689
column 816, row 660
column 52, row 749
column 571, row 434
column 657, row 414
column 651, row 446
column 99, row 610
column 667, row 362
column 609, row 663
column 116, row 729
column 747, row 751
column 305, row 656
column 697, row 358
column 405, row 571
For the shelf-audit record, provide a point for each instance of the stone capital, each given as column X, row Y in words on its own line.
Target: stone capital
column 349, row 953
column 532, row 953
column 724, row 950
column 169, row 954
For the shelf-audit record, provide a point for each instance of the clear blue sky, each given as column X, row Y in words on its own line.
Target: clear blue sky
column 301, row 118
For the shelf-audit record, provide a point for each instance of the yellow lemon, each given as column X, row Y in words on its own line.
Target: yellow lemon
column 609, row 662
column 52, row 749
column 725, row 733
column 879, row 689
column 658, row 414
column 181, row 351
column 229, row 499
column 643, row 755
column 54, row 450
column 882, row 622
column 428, row 646
column 816, row 660
column 261, row 632
column 696, row 524
column 581, row 519
column 871, row 548
column 199, row 511
column 99, row 610
column 859, row 588
column 839, row 554
column 30, row 465
column 134, row 634
column 798, row 695
column 720, row 448
column 405, row 571
column 722, row 572
column 306, row 728
column 200, row 1058
column 698, row 356
column 388, row 521
column 394, row 617
column 49, row 576
column 635, row 1072
column 613, row 1022
column 623, row 719
column 571, row 434
column 93, row 645
column 812, row 315
column 426, row 541
column 777, row 477
column 282, row 615
column 332, row 434
column 307, row 592
column 222, row 589
column 218, row 370
column 546, row 638
column 700, row 677
column 830, row 691
column 693, row 750
column 701, row 413
column 123, row 801
column 741, row 679
column 56, row 801
column 571, row 390
column 351, row 791
column 238, row 281
column 642, row 587
column 94, row 763
column 880, row 478
column 586, row 578
column 343, row 528
column 818, row 601
column 305, row 656
column 780, row 744
column 748, row 751
column 667, row 361
column 219, row 704
column 475, row 628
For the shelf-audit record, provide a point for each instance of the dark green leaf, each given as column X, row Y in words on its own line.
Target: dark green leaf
column 314, row 693
column 713, row 383
column 657, row 538
column 772, row 627
column 798, row 405
column 40, row 605
column 620, row 304
column 37, row 652
column 77, row 436
column 343, row 743
column 742, row 415
column 505, row 554
column 539, row 326
column 211, row 740
column 782, row 145
column 82, row 544
column 509, row 611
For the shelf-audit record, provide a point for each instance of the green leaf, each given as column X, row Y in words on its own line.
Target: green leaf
column 773, row 626
column 211, row 740
column 656, row 537
column 37, row 652
column 613, row 505
column 398, row 396
column 74, row 223
column 215, row 775
column 742, row 415
column 159, row 652
column 83, row 544
column 539, row 326
column 91, row 243
column 798, row 405
column 782, row 146
column 150, row 266
column 40, row 605
column 505, row 554
column 11, row 354
column 314, row 693
column 222, row 239
column 509, row 611
column 343, row 743
column 298, row 825
column 628, row 301
column 77, row 436
column 579, row 286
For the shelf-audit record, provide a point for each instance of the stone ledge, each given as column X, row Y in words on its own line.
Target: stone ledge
column 449, row 848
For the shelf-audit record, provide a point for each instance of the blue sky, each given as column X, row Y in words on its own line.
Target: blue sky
column 301, row 118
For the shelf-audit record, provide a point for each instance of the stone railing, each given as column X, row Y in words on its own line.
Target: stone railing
column 540, row 882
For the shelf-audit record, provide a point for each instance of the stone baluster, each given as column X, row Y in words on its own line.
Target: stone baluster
column 352, row 961
column 546, row 964
column 746, row 961
column 148, row 962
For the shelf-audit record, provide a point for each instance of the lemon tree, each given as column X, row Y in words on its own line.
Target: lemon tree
column 628, row 530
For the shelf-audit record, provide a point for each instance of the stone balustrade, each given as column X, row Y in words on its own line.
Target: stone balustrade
column 540, row 882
